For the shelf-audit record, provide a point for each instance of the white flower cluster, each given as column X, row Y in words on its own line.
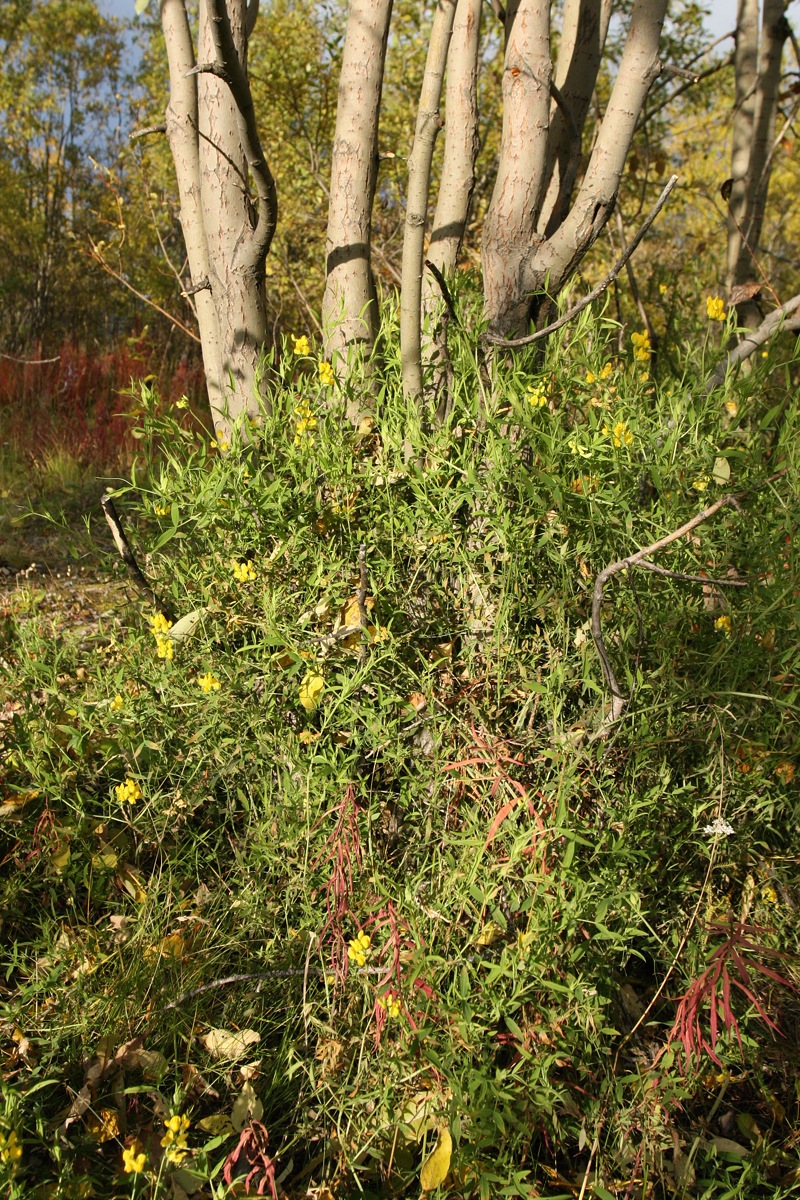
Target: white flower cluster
column 719, row 828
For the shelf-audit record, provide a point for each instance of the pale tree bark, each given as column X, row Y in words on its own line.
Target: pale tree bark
column 349, row 306
column 238, row 227
column 519, row 264
column 757, row 87
column 181, row 130
column 461, row 147
column 510, row 225
column 580, row 49
column 419, row 177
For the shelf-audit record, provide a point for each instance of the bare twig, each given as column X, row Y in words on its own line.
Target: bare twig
column 443, row 288
column 97, row 255
column 619, row 701
column 361, row 594
column 601, row 287
column 127, row 555
column 30, row 362
column 780, row 320
column 147, row 132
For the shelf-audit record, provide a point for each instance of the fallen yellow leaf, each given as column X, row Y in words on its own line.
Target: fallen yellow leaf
column 229, row 1044
column 437, row 1164
column 311, row 690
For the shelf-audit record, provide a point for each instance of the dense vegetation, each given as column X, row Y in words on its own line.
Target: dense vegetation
column 324, row 858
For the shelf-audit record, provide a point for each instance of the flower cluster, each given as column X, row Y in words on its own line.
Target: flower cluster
column 301, row 346
column 165, row 648
column 10, row 1149
column 305, row 424
column 117, row 703
column 128, row 792
column 719, row 828
column 620, row 434
column 723, row 624
column 159, row 624
column 358, row 949
column 715, row 307
column 218, row 443
column 641, row 346
column 605, row 372
column 390, row 1003
column 326, row 375
column 174, row 1140
column 536, row 396
column 243, row 572
column 208, row 683
column 133, row 1159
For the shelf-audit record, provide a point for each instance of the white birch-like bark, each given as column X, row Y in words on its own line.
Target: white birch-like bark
column 513, row 279
column 745, row 60
column 583, row 38
column 181, row 129
column 751, row 198
column 349, row 306
column 419, row 178
column 460, row 148
column 510, row 225
column 238, row 232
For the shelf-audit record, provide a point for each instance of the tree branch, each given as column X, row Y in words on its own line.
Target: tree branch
column 96, row 254
column 127, row 555
column 601, row 287
column 619, row 701
column 774, row 323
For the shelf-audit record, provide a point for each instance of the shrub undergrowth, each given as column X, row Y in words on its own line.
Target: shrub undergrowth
column 335, row 865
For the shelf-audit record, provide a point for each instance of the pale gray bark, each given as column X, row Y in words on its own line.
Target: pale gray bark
column 349, row 306
column 510, row 225
column 460, row 147
column 518, row 262
column 419, row 176
column 583, row 37
column 238, row 232
column 745, row 61
column 749, row 192
column 181, row 128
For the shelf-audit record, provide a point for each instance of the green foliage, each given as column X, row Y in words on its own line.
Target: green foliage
column 350, row 804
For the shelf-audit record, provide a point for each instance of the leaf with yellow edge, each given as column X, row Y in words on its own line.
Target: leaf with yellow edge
column 437, row 1164
column 311, row 690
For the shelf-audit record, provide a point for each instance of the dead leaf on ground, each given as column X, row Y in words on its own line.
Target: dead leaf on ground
column 229, row 1044
column 246, row 1108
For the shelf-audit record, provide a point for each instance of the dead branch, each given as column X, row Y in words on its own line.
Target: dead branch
column 601, row 287
column 619, row 701
column 444, row 289
column 147, row 132
column 779, row 321
column 97, row 255
column 127, row 555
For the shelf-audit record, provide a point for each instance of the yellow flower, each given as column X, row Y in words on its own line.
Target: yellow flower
column 536, row 396
column 161, row 510
column 662, row 287
column 576, row 448
column 243, row 572
column 117, row 703
column 176, row 1127
column 165, row 648
column 182, row 403
column 133, row 1159
column 591, row 377
column 723, row 624
column 731, row 407
column 306, row 423
column 128, row 792
column 10, row 1149
column 159, row 624
column 306, row 737
column 715, row 307
column 390, row 1003
column 700, row 484
column 641, row 346
column 606, row 371
column 302, row 346
column 358, row 949
column 326, row 375
column 620, row 434
column 311, row 690
column 208, row 683
column 769, row 894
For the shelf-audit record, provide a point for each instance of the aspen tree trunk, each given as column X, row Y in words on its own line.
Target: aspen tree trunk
column 757, row 87
column 518, row 260
column 349, row 306
column 455, row 190
column 220, row 163
column 419, row 179
column 510, row 225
